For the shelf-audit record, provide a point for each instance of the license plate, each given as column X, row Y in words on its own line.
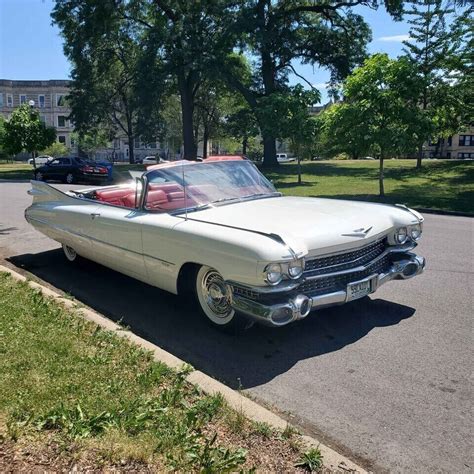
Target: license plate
column 358, row 290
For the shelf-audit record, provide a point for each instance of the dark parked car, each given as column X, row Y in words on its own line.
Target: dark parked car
column 71, row 170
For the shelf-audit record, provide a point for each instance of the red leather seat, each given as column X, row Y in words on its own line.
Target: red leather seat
column 155, row 199
column 115, row 196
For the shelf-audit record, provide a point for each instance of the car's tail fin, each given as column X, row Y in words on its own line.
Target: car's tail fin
column 43, row 192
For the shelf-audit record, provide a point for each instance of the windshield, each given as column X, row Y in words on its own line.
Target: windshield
column 199, row 185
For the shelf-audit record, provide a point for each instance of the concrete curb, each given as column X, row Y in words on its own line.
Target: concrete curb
column 440, row 212
column 252, row 410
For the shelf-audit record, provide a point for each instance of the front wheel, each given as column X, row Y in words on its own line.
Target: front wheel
column 69, row 178
column 214, row 298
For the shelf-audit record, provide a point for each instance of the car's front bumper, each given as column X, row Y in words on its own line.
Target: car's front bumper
column 289, row 306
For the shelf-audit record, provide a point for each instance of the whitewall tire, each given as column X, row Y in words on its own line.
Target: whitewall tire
column 214, row 298
column 70, row 253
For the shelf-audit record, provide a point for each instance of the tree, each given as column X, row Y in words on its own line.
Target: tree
column 378, row 101
column 341, row 132
column 241, row 125
column 55, row 149
column 104, row 48
column 295, row 122
column 186, row 42
column 24, row 131
column 433, row 48
column 88, row 143
column 276, row 33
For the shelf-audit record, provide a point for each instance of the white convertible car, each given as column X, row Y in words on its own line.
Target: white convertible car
column 220, row 231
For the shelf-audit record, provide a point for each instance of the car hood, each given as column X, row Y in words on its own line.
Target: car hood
column 310, row 225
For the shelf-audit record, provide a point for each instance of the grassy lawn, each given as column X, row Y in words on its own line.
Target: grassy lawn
column 15, row 171
column 72, row 394
column 440, row 184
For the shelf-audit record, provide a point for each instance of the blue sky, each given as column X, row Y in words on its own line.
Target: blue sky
column 31, row 48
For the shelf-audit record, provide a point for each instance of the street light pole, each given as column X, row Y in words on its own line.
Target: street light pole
column 31, row 103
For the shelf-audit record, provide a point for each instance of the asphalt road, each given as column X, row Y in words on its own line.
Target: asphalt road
column 386, row 380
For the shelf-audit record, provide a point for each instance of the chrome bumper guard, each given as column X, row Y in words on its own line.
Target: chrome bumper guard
column 297, row 307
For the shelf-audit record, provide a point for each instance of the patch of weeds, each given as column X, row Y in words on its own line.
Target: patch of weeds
column 311, row 460
column 289, row 432
column 209, row 458
column 263, row 429
column 235, row 421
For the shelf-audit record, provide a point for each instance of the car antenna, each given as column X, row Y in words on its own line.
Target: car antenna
column 184, row 189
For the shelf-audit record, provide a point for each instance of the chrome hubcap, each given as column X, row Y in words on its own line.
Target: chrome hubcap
column 216, row 294
column 69, row 178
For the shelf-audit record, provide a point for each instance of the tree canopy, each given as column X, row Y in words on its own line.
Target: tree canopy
column 24, row 131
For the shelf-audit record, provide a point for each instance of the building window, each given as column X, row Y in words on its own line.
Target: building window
column 450, row 141
column 43, row 119
column 41, row 103
column 60, row 100
column 1, row 99
column 22, row 99
column 73, row 142
column 464, row 156
column 62, row 121
column 62, row 139
column 9, row 100
column 448, row 155
column 466, row 140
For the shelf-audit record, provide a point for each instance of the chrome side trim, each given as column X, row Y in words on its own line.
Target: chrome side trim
column 79, row 234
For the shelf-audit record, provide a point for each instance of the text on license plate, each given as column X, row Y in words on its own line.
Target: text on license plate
column 358, row 290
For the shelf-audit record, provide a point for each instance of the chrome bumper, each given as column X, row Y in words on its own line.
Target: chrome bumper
column 297, row 307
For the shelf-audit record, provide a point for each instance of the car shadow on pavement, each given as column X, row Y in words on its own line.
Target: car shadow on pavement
column 174, row 324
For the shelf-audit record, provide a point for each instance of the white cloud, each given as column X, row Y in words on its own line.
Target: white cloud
column 394, row 38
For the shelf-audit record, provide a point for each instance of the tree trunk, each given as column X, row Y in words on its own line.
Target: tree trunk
column 244, row 145
column 381, row 187
column 269, row 151
column 205, row 140
column 420, row 156
column 186, row 86
column 131, row 147
column 299, row 168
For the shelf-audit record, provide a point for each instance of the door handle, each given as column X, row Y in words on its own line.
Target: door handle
column 94, row 214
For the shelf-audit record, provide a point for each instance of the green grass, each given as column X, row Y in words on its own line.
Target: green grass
column 440, row 184
column 446, row 185
column 84, row 389
column 16, row 171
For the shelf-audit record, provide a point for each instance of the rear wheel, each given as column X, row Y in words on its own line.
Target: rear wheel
column 70, row 253
column 69, row 178
column 214, row 298
column 39, row 176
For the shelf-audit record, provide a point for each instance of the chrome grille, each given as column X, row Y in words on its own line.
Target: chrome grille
column 245, row 292
column 345, row 261
column 334, row 283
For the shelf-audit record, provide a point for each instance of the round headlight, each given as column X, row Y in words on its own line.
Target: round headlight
column 273, row 273
column 415, row 231
column 296, row 268
column 401, row 235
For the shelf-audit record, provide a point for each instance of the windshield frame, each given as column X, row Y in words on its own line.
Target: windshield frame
column 145, row 179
